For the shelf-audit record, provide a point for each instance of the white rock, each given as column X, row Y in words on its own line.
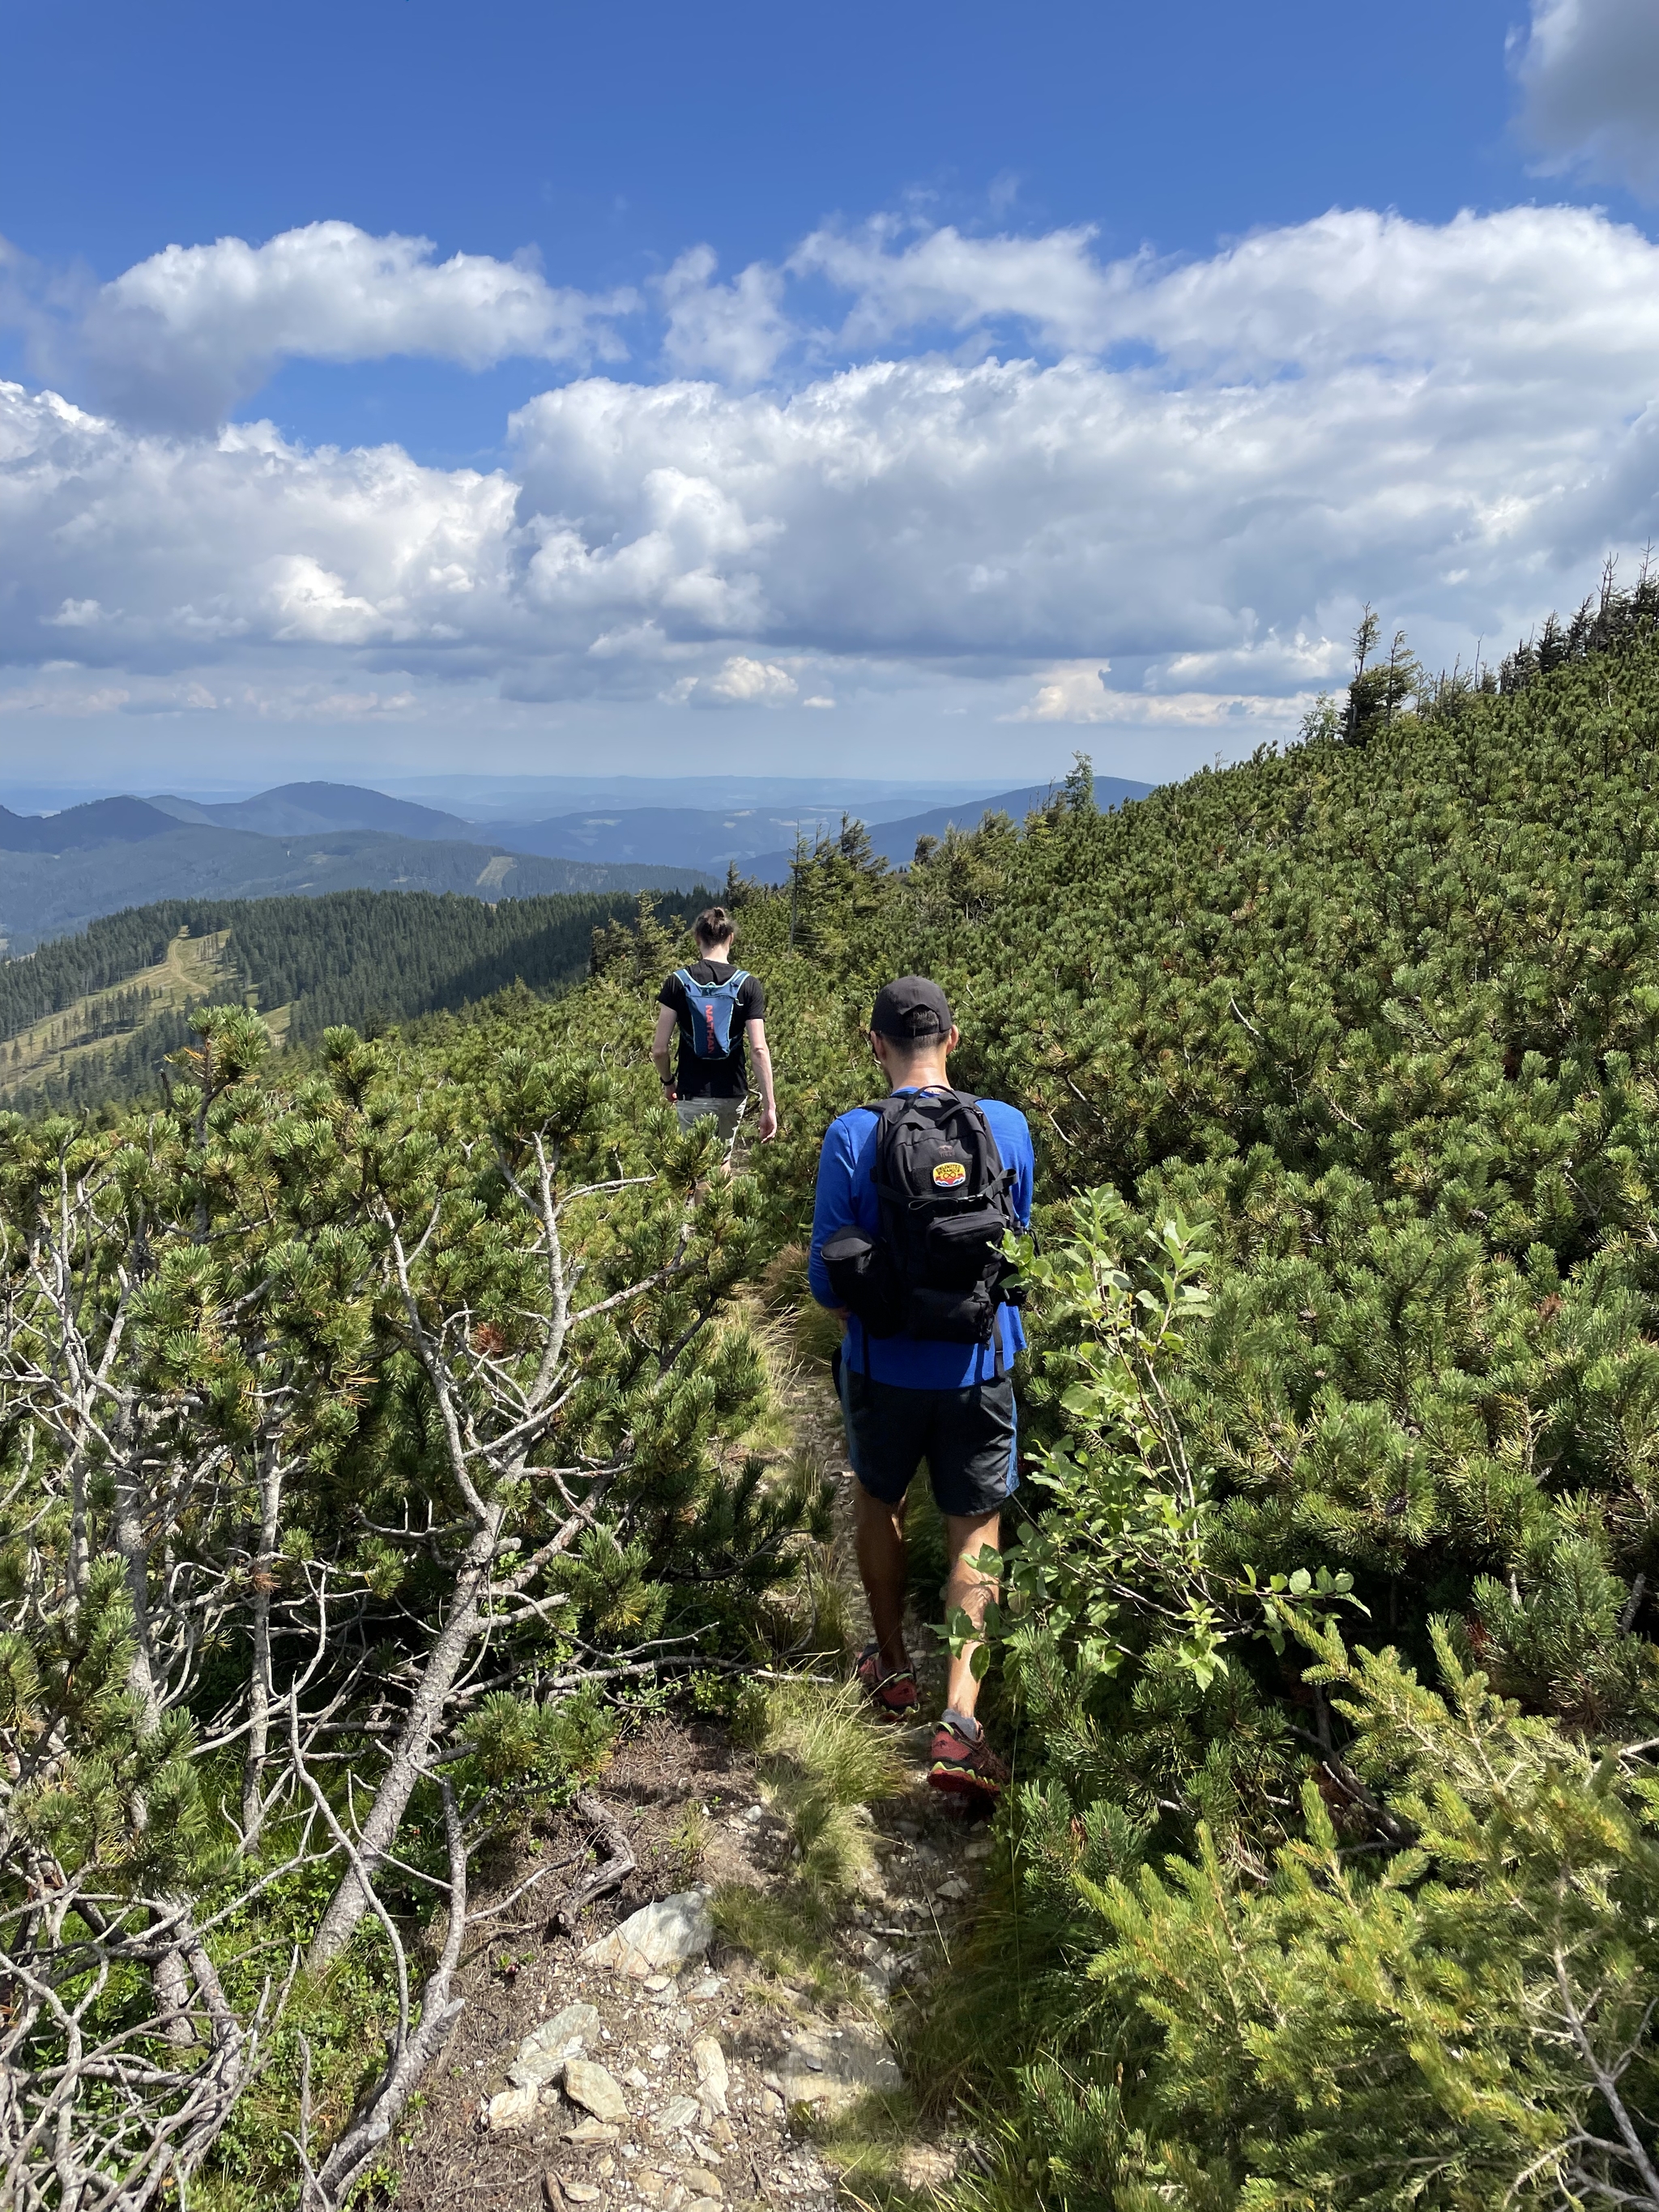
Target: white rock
column 590, row 2132
column 542, row 2055
column 512, row 2108
column 581, row 2192
column 595, row 2089
column 712, row 2076
column 679, row 2113
column 702, row 2183
column 658, row 1938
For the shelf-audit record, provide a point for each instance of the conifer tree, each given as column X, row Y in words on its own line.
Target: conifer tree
column 303, row 1392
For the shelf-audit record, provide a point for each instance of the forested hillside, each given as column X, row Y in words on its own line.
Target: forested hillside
column 59, row 872
column 1329, row 1882
column 92, row 1018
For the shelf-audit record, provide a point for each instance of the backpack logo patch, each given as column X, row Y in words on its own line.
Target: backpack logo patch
column 950, row 1174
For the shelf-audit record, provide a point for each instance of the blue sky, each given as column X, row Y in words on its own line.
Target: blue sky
column 612, row 139
column 979, row 382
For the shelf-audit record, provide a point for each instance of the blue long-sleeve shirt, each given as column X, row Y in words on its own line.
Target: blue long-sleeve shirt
column 847, row 1196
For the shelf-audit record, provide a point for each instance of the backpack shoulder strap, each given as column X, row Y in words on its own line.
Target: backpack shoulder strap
column 686, row 981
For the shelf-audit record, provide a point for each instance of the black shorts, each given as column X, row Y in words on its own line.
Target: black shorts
column 969, row 1439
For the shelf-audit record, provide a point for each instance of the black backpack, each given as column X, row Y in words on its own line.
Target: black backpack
column 935, row 1268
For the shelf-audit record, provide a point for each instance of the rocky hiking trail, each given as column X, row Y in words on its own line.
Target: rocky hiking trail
column 644, row 2059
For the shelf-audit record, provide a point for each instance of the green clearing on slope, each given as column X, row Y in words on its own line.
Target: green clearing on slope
column 92, row 1018
column 1330, row 1882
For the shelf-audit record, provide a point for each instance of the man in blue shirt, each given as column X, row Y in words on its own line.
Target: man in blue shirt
column 907, row 1398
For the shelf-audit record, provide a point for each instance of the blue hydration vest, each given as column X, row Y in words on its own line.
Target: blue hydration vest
column 712, row 1006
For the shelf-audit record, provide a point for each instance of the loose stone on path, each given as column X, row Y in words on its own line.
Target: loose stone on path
column 542, row 2054
column 712, row 2076
column 512, row 2108
column 595, row 2089
column 659, row 1938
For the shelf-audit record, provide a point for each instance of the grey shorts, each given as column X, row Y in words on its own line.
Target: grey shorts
column 969, row 1439
column 724, row 1113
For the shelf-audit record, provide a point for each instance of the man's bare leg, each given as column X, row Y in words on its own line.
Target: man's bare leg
column 878, row 1534
column 970, row 1591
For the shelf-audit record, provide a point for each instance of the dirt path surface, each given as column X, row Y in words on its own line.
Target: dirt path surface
column 718, row 2076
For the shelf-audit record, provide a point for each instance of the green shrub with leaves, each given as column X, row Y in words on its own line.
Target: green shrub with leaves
column 1290, row 1927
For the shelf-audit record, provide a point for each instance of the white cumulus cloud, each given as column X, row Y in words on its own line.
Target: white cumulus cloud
column 1357, row 407
column 144, row 550
column 1196, row 473
column 735, row 332
column 181, row 338
column 1081, row 693
column 1052, row 284
column 738, row 682
column 1589, row 71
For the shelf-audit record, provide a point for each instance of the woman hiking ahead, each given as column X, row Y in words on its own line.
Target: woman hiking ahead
column 715, row 1006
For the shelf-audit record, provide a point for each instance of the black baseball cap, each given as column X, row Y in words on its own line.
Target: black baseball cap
column 911, row 1007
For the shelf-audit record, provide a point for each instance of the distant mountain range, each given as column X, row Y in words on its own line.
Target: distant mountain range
column 897, row 841
column 488, row 799
column 78, row 829
column 58, row 872
column 761, row 840
column 300, row 810
column 665, row 836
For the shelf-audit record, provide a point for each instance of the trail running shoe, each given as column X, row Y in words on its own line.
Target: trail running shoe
column 895, row 1693
column 965, row 1768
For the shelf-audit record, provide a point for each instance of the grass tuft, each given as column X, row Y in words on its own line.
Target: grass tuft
column 824, row 1762
column 814, row 1332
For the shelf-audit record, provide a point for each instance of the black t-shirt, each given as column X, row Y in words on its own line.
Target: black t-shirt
column 714, row 1079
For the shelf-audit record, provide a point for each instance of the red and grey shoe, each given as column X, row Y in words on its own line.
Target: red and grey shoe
column 965, row 1765
column 891, row 1691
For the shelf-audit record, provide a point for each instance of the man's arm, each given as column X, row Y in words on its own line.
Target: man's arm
column 756, row 1032
column 832, row 1209
column 1024, row 1188
column 667, row 1022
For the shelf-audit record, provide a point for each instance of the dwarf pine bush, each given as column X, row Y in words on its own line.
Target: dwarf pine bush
column 1328, row 1653
column 1328, row 1649
column 356, row 1428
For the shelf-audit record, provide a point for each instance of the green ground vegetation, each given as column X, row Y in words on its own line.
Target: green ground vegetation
column 1328, row 1655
